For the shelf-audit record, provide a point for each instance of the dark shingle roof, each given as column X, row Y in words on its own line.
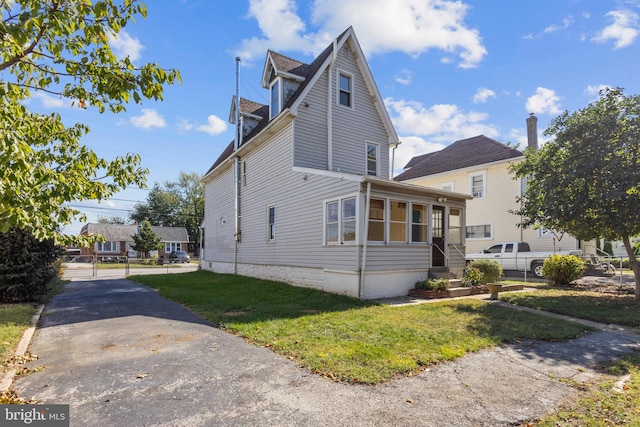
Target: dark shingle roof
column 124, row 233
column 474, row 151
column 283, row 63
column 417, row 159
column 288, row 65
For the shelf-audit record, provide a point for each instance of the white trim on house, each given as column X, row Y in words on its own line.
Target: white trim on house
column 443, row 186
column 482, row 194
column 352, row 96
column 479, row 225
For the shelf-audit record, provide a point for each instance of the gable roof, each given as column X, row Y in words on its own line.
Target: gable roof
column 417, row 159
column 464, row 153
column 307, row 74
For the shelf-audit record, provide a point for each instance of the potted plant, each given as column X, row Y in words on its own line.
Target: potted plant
column 430, row 288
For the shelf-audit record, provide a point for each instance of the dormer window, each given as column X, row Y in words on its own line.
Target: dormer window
column 276, row 96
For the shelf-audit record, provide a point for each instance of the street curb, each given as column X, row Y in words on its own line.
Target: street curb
column 21, row 349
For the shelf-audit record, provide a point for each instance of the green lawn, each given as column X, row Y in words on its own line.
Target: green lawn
column 608, row 403
column 347, row 339
column 596, row 306
column 14, row 320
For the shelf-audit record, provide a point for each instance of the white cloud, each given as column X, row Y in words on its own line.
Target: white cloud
column 49, row 101
column 215, row 126
column 544, row 101
column 123, row 45
column 148, row 119
column 429, row 129
column 482, row 95
column 404, row 77
column 184, row 125
column 411, row 26
column 624, row 29
column 566, row 22
column 594, row 90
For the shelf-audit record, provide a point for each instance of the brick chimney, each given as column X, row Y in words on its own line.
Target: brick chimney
column 532, row 131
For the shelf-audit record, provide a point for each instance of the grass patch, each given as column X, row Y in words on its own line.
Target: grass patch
column 596, row 306
column 609, row 403
column 350, row 340
column 14, row 320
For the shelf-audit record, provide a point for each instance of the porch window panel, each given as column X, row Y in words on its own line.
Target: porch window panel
column 349, row 220
column 376, row 221
column 419, row 223
column 398, row 221
column 332, row 222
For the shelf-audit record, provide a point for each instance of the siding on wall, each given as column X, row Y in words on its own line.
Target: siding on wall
column 298, row 211
column 219, row 218
column 310, row 147
column 501, row 197
column 352, row 128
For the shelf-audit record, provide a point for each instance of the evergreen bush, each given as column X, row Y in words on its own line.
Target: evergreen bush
column 563, row 269
column 27, row 266
column 490, row 269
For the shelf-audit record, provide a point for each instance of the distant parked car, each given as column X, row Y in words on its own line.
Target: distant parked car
column 179, row 256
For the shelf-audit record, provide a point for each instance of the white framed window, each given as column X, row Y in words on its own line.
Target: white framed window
column 276, row 97
column 479, row 232
column 478, row 185
column 345, row 89
column 377, row 220
column 172, row 246
column 340, row 221
column 544, row 233
column 447, row 186
column 419, row 225
column 107, row 246
column 372, row 159
column 398, row 215
column 271, row 223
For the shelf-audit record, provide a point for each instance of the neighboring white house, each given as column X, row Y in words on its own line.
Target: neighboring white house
column 479, row 166
column 310, row 202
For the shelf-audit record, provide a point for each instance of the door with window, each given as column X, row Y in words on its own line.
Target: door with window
column 437, row 237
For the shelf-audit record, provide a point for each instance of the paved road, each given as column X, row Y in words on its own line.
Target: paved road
column 121, row 355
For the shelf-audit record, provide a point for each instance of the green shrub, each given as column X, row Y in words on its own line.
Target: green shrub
column 26, row 266
column 563, row 269
column 608, row 248
column 433, row 284
column 472, row 277
column 491, row 270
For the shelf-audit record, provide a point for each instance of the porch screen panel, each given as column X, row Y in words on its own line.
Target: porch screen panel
column 455, row 235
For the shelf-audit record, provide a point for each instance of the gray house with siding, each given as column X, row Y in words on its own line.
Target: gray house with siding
column 304, row 195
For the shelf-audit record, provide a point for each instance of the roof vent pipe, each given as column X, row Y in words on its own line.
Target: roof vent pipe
column 532, row 131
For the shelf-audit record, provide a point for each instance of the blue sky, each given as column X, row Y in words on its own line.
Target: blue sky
column 447, row 70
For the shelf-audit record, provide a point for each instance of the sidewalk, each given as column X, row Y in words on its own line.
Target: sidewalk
column 122, row 355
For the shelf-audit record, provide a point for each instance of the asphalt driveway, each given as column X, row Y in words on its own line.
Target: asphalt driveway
column 121, row 355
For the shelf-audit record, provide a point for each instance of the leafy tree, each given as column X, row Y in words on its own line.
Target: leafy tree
column 586, row 180
column 61, row 48
column 176, row 204
column 146, row 240
column 608, row 248
column 111, row 220
column 161, row 208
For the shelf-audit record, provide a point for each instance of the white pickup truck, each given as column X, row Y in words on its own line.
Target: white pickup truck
column 518, row 256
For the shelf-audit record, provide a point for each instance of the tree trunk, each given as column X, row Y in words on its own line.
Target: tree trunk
column 634, row 264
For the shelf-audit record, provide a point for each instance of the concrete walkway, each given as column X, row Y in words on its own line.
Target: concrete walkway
column 121, row 355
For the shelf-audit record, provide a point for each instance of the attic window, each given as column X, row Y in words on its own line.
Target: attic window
column 345, row 89
column 275, row 98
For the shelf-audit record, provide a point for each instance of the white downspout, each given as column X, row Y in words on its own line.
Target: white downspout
column 364, row 244
column 236, row 169
column 393, row 156
column 330, row 109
